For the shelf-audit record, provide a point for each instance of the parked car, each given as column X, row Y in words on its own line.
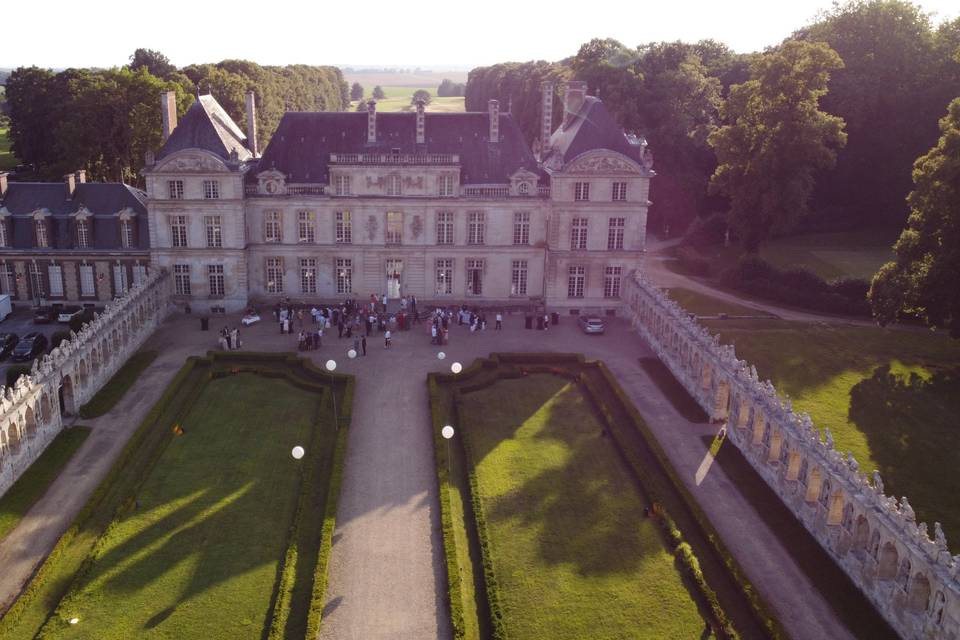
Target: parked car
column 69, row 313
column 44, row 315
column 7, row 342
column 591, row 324
column 29, row 347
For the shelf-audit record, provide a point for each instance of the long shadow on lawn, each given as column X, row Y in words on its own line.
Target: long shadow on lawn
column 886, row 407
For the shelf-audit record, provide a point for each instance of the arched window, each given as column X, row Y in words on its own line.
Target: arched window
column 804, row 468
column 848, row 518
column 936, row 611
column 825, row 493
column 874, row 547
column 784, row 453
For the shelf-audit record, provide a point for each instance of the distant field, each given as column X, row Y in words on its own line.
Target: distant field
column 398, row 99
column 430, row 79
column 7, row 161
column 833, row 255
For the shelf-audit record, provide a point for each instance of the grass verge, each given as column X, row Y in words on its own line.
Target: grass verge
column 117, row 386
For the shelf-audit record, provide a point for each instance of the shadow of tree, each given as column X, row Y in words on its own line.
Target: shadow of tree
column 903, row 419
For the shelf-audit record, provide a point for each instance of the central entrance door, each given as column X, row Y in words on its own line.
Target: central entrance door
column 394, row 275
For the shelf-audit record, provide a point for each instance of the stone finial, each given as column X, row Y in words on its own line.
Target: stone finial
column 827, row 437
column 938, row 537
column 906, row 510
column 877, row 482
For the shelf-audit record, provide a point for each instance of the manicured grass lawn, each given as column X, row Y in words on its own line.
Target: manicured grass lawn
column 7, row 161
column 856, row 254
column 573, row 553
column 38, row 477
column 704, row 305
column 891, row 397
column 118, row 385
column 398, row 99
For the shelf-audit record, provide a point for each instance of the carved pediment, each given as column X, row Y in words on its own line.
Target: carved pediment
column 192, row 161
column 271, row 182
column 607, row 163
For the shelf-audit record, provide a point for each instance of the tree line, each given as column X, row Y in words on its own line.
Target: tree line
column 104, row 120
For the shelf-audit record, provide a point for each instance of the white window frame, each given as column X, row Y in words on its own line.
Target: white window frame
column 88, row 282
column 214, row 228
column 475, row 265
column 581, row 191
column 612, row 281
column 443, row 276
column 139, row 274
column 308, row 275
column 393, row 230
column 578, row 233
column 306, row 227
column 341, row 185
column 444, row 227
column 394, row 185
column 476, row 227
column 55, row 278
column 178, row 231
column 120, row 283
column 576, row 281
column 211, row 189
column 615, row 232
column 619, row 193
column 274, row 275
column 83, row 233
column 175, row 189
column 344, row 275
column 181, row 279
column 521, row 228
column 343, row 227
column 126, row 234
column 40, row 233
column 216, row 280
column 518, row 278
column 446, row 186
column 272, row 227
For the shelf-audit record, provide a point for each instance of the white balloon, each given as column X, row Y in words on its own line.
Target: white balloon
column 352, row 353
column 456, row 367
column 331, row 365
column 447, row 432
column 297, row 452
column 441, row 355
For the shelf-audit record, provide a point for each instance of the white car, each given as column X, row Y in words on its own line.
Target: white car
column 591, row 324
column 250, row 319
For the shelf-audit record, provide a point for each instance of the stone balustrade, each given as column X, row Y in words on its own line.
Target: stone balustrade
column 913, row 580
column 32, row 411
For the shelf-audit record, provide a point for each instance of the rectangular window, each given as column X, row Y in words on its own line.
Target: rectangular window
column 446, row 186
column 83, row 233
column 7, row 280
column 444, row 227
column 581, row 191
column 619, row 191
column 175, row 188
column 306, row 227
column 308, row 275
column 214, row 231
column 87, row 287
column 477, row 228
column 521, row 227
column 274, row 275
column 40, row 228
column 139, row 274
column 611, row 282
column 55, row 273
column 615, row 233
column 344, row 268
column 444, row 276
column 578, row 234
column 576, row 279
column 36, row 281
column 126, row 233
column 474, row 277
column 394, row 185
column 181, row 279
column 271, row 227
column 4, row 240
column 211, row 190
column 120, row 284
column 341, row 185
column 394, row 227
column 215, row 276
column 178, row 230
column 518, row 278
column 344, row 230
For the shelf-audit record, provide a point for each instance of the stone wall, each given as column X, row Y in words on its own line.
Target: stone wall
column 32, row 411
column 912, row 579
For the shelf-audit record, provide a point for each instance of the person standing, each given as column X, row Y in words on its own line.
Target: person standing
column 340, row 327
column 499, row 325
column 320, row 336
column 386, row 339
column 363, row 344
column 356, row 343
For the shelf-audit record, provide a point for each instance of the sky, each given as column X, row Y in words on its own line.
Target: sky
column 432, row 34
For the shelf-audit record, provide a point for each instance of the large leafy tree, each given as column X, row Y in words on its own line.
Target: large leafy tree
column 378, row 93
column 421, row 95
column 153, row 61
column 33, row 106
column 356, row 91
column 777, row 137
column 923, row 279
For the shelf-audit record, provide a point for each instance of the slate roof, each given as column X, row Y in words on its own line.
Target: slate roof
column 103, row 200
column 303, row 142
column 592, row 128
column 207, row 126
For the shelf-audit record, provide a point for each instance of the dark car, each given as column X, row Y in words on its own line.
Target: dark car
column 29, row 347
column 7, row 342
column 44, row 315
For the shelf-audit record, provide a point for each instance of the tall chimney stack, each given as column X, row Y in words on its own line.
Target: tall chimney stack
column 493, row 107
column 70, row 180
column 3, row 184
column 168, row 111
column 546, row 123
column 421, row 124
column 371, row 122
column 573, row 97
column 252, row 123
column 81, row 176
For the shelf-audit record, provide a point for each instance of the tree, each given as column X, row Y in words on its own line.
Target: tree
column 153, row 61
column 777, row 138
column 356, row 91
column 421, row 94
column 378, row 93
column 450, row 89
column 922, row 281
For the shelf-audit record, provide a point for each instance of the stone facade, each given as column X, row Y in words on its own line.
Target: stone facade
column 912, row 579
column 32, row 411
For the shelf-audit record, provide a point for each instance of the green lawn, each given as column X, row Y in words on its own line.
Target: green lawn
column 7, row 161
column 704, row 305
column 117, row 386
column 856, row 254
column 573, row 554
column 34, row 482
column 398, row 99
column 892, row 397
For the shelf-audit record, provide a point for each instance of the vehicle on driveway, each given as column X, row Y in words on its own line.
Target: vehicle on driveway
column 29, row 347
column 6, row 307
column 44, row 315
column 7, row 342
column 591, row 324
column 69, row 313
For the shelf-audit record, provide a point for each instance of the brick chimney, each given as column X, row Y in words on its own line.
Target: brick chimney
column 252, row 124
column 3, row 184
column 421, row 124
column 546, row 113
column 493, row 108
column 71, row 181
column 372, row 122
column 168, row 111
column 81, row 176
column 574, row 94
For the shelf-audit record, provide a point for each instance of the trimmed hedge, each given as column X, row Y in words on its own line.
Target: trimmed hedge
column 692, row 261
column 798, row 287
column 118, row 385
